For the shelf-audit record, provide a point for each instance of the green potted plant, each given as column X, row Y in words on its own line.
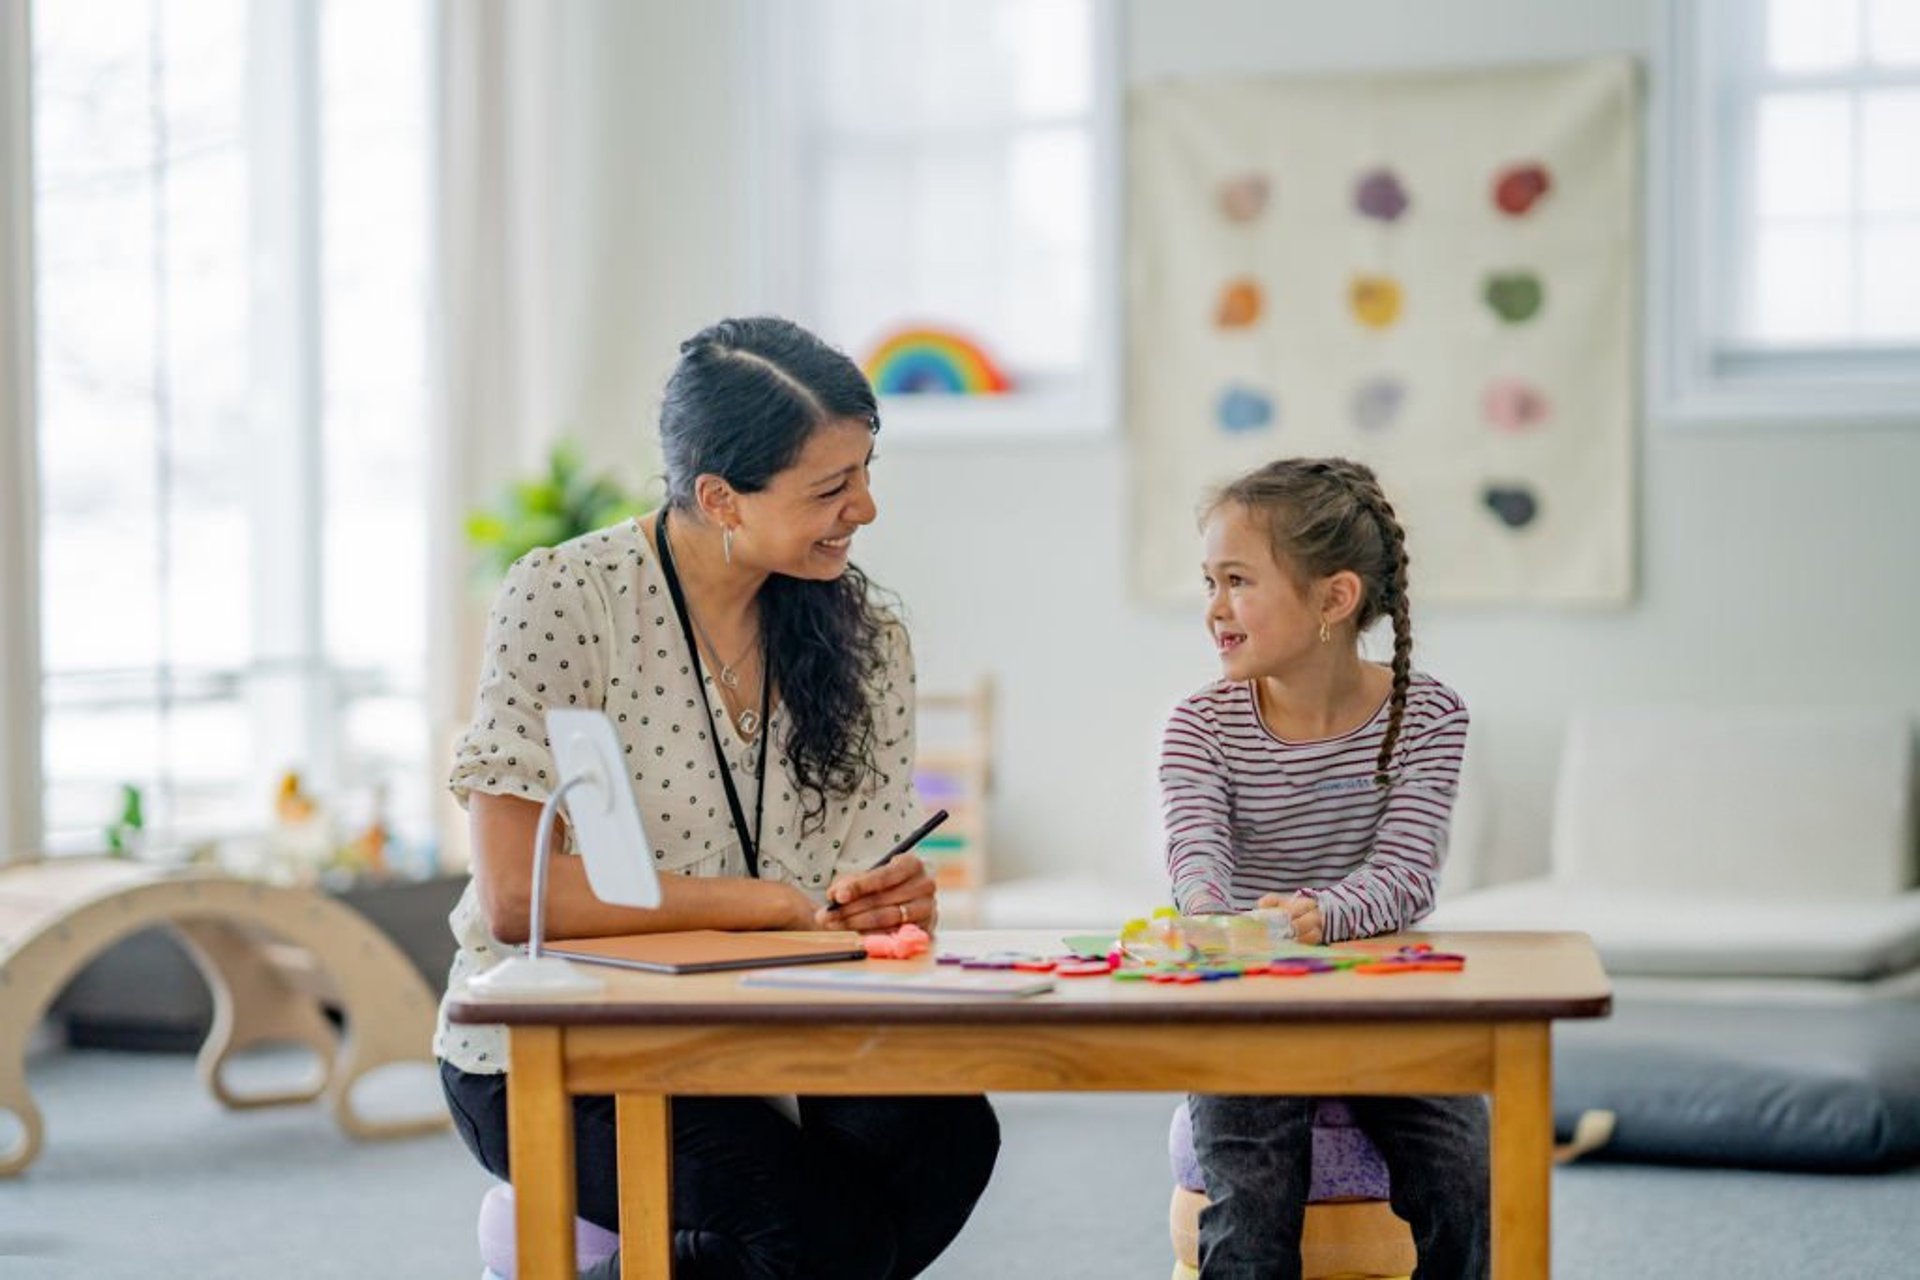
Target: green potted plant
column 548, row 509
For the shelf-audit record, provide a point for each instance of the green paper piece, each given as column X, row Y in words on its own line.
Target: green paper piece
column 1092, row 946
column 1515, row 296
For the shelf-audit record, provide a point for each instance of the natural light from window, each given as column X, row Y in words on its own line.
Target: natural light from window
column 232, row 428
column 1832, row 231
column 946, row 169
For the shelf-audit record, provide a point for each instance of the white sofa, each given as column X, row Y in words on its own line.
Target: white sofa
column 1730, row 852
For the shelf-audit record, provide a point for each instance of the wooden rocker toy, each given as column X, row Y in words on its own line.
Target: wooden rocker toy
column 261, row 949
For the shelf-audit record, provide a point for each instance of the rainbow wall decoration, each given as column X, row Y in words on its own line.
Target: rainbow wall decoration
column 928, row 361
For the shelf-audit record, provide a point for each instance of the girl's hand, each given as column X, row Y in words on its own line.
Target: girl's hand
column 882, row 899
column 1308, row 926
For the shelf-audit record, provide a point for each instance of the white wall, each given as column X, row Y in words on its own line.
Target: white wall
column 1778, row 565
column 588, row 193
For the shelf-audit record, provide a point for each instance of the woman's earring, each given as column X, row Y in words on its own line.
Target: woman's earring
column 726, row 549
column 1325, row 635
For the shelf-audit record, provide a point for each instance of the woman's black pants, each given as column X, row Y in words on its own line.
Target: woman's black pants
column 861, row 1187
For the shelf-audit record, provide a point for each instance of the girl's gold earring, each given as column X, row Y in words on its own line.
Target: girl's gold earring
column 1325, row 635
column 726, row 549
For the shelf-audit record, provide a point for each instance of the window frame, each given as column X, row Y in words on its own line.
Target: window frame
column 1698, row 375
column 775, row 212
column 20, row 762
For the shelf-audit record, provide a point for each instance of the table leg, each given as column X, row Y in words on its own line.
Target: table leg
column 1522, row 1150
column 540, row 1146
column 645, row 1140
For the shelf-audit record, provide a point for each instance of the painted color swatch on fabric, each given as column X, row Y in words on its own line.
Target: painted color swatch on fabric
column 1380, row 194
column 1376, row 300
column 1242, row 409
column 1518, row 188
column 1514, row 504
column 1515, row 296
column 1244, row 198
column 1241, row 303
column 1377, row 402
column 1514, row 404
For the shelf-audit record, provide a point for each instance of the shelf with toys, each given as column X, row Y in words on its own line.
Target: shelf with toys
column 146, row 993
column 953, row 771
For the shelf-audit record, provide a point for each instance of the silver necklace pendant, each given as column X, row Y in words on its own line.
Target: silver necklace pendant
column 729, row 677
column 749, row 723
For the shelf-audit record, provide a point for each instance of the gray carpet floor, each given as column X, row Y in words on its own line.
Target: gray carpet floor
column 144, row 1175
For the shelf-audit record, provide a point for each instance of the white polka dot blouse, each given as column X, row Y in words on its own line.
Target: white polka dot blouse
column 589, row 624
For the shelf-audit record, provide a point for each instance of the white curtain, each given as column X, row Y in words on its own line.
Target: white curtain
column 589, row 164
column 19, row 577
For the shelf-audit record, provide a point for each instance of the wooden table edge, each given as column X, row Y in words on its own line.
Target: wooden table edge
column 928, row 1011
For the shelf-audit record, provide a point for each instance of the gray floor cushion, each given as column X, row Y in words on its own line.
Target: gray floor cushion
column 1753, row 1086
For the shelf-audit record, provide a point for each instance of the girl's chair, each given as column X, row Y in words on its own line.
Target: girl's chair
column 1350, row 1230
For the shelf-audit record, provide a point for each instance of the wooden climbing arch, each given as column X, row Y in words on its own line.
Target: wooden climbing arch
column 57, row 915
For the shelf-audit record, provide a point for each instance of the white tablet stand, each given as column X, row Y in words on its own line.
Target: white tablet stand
column 606, row 830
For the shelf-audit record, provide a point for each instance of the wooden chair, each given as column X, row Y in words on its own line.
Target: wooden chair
column 1351, row 1232
column 1342, row 1240
column 274, row 958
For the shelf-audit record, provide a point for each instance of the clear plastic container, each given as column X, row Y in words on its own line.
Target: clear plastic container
column 1158, row 940
column 1246, row 937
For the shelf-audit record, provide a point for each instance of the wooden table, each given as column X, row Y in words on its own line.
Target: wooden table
column 646, row 1038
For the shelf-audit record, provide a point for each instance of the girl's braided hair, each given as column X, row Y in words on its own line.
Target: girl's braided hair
column 1325, row 515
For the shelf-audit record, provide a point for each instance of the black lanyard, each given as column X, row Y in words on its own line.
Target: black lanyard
column 750, row 844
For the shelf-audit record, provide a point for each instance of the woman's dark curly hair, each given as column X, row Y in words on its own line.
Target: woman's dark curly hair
column 741, row 404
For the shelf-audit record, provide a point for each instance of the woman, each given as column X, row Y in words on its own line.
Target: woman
column 765, row 705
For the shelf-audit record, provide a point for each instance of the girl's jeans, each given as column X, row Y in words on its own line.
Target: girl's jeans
column 1255, row 1153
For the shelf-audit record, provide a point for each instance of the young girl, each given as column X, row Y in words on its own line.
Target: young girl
column 1312, row 780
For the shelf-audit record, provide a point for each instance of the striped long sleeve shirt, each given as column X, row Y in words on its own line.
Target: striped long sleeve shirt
column 1249, row 813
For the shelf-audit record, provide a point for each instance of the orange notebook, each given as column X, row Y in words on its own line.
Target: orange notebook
column 707, row 950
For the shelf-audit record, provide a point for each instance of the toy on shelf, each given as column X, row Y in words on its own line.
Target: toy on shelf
column 366, row 854
column 299, row 844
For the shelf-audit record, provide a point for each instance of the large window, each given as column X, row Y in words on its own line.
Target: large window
column 1788, row 228
column 231, row 217
column 950, row 165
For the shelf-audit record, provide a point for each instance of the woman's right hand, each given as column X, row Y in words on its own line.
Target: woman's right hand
column 882, row 899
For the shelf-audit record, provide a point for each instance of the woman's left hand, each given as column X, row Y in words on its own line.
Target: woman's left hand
column 1308, row 926
column 882, row 899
